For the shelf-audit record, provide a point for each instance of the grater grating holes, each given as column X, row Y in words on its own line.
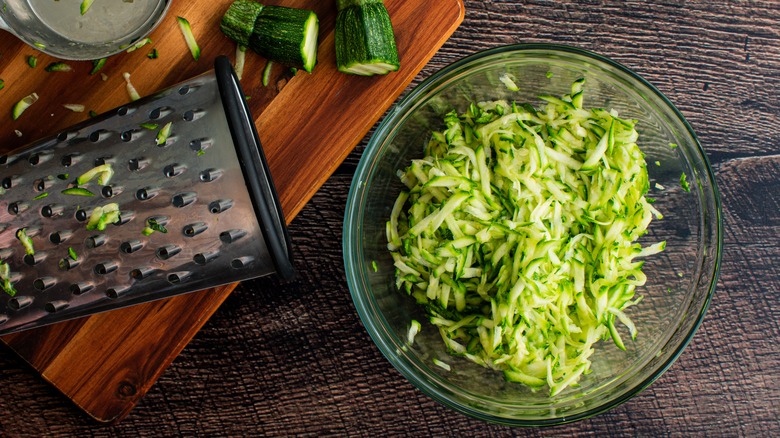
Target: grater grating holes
column 194, row 229
column 34, row 259
column 131, row 246
column 210, row 175
column 160, row 112
column 117, row 291
column 125, row 111
column 80, row 215
column 81, row 288
column 18, row 207
column 20, row 302
column 38, row 158
column 67, row 263
column 137, row 164
column 203, row 258
column 96, row 241
column 201, row 144
column 70, row 159
column 192, row 115
column 108, row 159
column 242, row 262
column 220, row 205
column 55, row 306
column 99, row 135
column 184, row 199
column 67, row 135
column 106, row 267
column 125, row 217
column 3, row 159
column 11, row 181
column 130, row 135
column 60, row 236
column 178, row 277
column 147, row 193
column 52, row 210
column 231, row 236
column 173, row 170
column 44, row 283
column 139, row 274
column 111, row 191
column 167, row 251
column 42, row 184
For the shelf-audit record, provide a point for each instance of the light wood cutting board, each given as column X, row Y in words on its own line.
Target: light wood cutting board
column 308, row 124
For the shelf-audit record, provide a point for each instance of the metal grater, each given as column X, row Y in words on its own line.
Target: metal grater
column 206, row 191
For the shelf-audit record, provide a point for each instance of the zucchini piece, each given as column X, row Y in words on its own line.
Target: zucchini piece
column 189, row 38
column 280, row 34
column 77, row 191
column 102, row 216
column 287, row 35
column 104, row 172
column 26, row 241
column 240, row 60
column 32, row 61
column 85, row 4
column 23, row 104
column 163, row 134
column 131, row 91
column 58, row 66
column 267, row 72
column 75, row 107
column 5, row 279
column 153, row 54
column 238, row 23
column 364, row 37
column 138, row 44
column 97, row 64
column 2, row 84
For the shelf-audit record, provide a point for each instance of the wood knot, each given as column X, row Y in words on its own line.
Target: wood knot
column 126, row 390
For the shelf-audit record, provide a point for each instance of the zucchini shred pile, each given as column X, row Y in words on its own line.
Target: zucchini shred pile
column 518, row 235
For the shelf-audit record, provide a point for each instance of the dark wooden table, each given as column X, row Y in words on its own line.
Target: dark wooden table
column 293, row 358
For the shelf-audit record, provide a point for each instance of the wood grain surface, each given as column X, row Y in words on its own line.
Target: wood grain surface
column 308, row 123
column 293, row 358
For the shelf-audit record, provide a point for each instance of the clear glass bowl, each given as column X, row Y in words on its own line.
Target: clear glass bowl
column 681, row 280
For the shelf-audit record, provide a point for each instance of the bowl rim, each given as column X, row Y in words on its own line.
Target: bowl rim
column 353, row 209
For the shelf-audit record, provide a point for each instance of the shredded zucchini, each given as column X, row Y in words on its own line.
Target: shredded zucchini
column 131, row 91
column 518, row 235
column 5, row 279
column 189, row 38
column 26, row 241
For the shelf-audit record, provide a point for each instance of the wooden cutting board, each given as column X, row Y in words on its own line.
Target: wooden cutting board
column 308, row 124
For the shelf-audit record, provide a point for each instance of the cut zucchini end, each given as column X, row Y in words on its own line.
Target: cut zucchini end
column 370, row 68
column 309, row 46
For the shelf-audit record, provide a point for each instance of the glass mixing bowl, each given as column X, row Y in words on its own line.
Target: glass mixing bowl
column 681, row 279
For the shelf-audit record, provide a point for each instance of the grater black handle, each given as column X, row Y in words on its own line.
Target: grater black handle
column 255, row 169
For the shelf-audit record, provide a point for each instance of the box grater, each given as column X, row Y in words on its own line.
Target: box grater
column 186, row 203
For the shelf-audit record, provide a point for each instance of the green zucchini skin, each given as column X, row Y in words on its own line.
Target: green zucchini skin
column 238, row 23
column 364, row 38
column 284, row 35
